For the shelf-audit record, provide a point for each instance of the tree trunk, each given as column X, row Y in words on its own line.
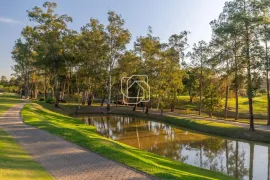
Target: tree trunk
column 226, row 103
column 52, row 90
column 173, row 103
column 250, row 102
column 78, row 90
column 90, row 99
column 35, row 90
column 200, row 109
column 102, row 101
column 64, row 88
column 267, row 83
column 190, row 97
column 116, row 98
column 135, row 105
column 45, row 85
column 236, row 104
column 236, row 83
column 147, row 108
column 227, row 92
column 109, row 90
column 83, row 97
column 56, row 84
column 56, row 91
column 31, row 91
column 26, row 89
column 158, row 103
column 172, row 107
column 69, row 81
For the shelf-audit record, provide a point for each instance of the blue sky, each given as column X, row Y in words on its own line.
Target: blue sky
column 166, row 18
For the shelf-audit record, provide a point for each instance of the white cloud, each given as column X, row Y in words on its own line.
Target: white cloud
column 9, row 20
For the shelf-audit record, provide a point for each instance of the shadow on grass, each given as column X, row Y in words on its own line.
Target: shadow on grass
column 7, row 101
column 15, row 163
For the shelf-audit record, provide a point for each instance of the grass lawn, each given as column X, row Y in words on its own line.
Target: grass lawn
column 259, row 105
column 16, row 164
column 46, row 117
column 259, row 108
column 7, row 101
column 246, row 121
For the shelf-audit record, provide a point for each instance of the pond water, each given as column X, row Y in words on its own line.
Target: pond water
column 236, row 158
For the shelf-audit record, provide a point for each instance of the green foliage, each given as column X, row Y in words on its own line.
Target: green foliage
column 50, row 100
column 262, row 91
column 7, row 101
column 212, row 95
column 92, row 61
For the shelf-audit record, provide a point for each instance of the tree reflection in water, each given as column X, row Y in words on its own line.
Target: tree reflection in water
column 232, row 157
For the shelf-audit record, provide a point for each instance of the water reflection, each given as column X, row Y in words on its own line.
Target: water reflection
column 242, row 160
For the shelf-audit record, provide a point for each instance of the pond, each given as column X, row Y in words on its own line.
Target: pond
column 236, row 158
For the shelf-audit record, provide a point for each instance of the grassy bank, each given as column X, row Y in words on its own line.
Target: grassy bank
column 259, row 107
column 7, row 101
column 46, row 117
column 16, row 164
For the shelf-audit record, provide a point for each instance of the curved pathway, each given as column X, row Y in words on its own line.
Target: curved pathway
column 63, row 159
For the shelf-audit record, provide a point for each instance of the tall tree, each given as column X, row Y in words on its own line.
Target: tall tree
column 227, row 35
column 241, row 16
column 222, row 60
column 117, row 38
column 262, row 8
column 93, row 52
column 51, row 28
column 21, row 55
column 199, row 56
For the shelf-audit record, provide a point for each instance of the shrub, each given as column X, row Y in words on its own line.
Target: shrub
column 41, row 99
column 63, row 101
column 50, row 100
column 262, row 91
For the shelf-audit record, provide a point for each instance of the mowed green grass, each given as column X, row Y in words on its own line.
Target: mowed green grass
column 15, row 163
column 46, row 117
column 259, row 108
column 259, row 104
column 7, row 101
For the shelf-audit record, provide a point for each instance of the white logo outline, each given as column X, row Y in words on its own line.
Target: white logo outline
column 142, row 98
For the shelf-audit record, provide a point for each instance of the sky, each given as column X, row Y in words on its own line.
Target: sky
column 166, row 17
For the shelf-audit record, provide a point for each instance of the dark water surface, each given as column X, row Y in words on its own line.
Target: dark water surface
column 236, row 158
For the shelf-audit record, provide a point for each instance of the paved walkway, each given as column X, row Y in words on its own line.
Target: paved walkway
column 245, row 125
column 62, row 159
